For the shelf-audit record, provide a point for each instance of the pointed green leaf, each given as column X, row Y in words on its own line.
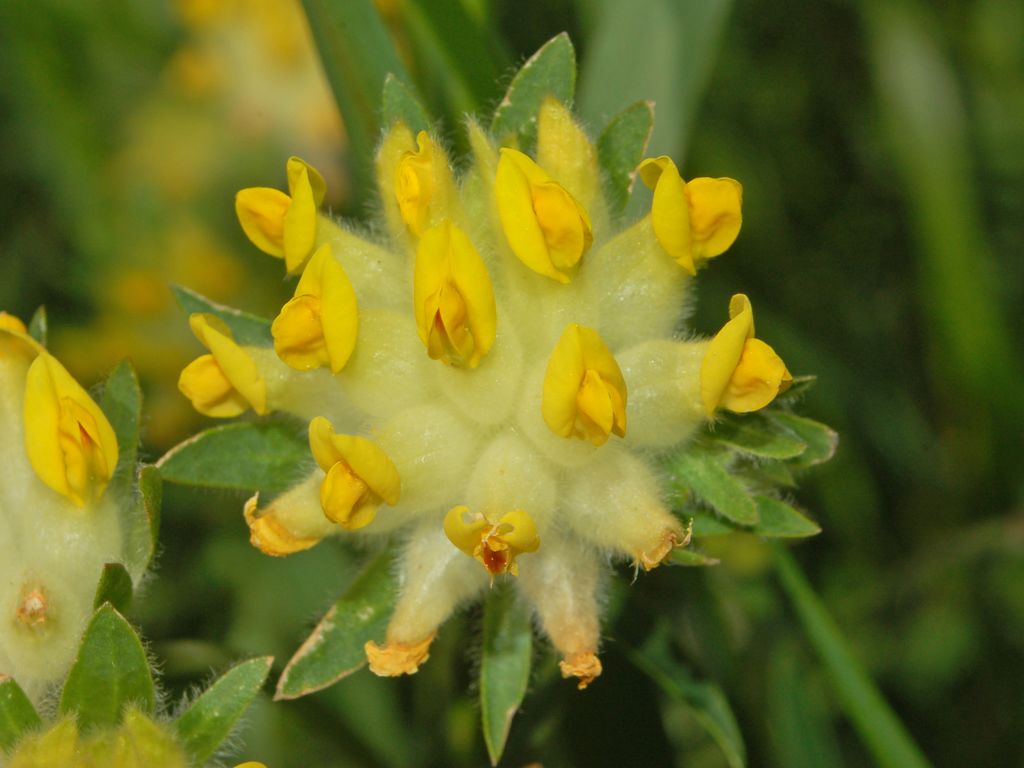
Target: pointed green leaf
column 620, row 149
column 772, row 474
column 249, row 330
column 504, row 666
column 268, row 456
column 399, row 103
column 821, row 439
column 357, row 54
column 17, row 715
column 691, row 558
column 707, row 524
column 800, row 386
column 38, row 327
column 122, row 405
column 110, row 671
column 115, row 587
column 551, row 71
column 335, row 648
column 779, row 519
column 703, row 473
column 208, row 721
column 705, row 699
column 140, row 522
column 756, row 435
column 868, row 710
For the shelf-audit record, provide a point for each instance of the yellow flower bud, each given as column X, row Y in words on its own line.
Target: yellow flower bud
column 415, row 184
column 284, row 226
column 270, row 536
column 10, row 322
column 740, row 373
column 584, row 392
column 319, row 325
column 544, row 225
column 693, row 221
column 453, row 297
column 360, row 476
column 226, row 382
column 495, row 545
column 69, row 441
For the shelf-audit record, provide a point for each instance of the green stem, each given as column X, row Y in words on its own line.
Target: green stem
column 871, row 715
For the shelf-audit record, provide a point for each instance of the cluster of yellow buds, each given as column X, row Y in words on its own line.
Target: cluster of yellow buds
column 58, row 524
column 494, row 377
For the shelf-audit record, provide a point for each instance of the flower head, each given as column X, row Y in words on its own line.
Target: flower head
column 225, row 382
column 494, row 545
column 740, row 373
column 695, row 220
column 68, row 439
column 544, row 225
column 318, row 327
column 283, row 225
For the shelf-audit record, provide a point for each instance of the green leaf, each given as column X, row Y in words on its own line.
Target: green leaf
column 335, row 648
column 780, row 520
column 691, row 558
column 122, row 405
column 39, row 327
column 399, row 103
column 17, row 715
column 801, row 385
column 208, row 721
column 470, row 61
column 821, row 439
column 115, row 587
column 868, row 710
column 706, row 524
column 771, row 474
column 249, row 330
column 620, row 149
column 357, row 55
column 268, row 456
column 110, row 671
column 755, row 435
column 140, row 522
column 504, row 666
column 704, row 474
column 705, row 699
column 551, row 71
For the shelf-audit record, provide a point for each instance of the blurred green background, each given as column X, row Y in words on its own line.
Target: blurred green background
column 881, row 148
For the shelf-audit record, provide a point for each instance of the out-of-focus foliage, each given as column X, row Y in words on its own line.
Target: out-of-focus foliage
column 880, row 150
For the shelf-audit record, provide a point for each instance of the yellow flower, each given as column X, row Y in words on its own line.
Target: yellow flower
column 452, row 297
column 69, row 441
column 10, row 322
column 738, row 372
column 693, row 221
column 360, row 476
column 270, row 536
column 584, row 392
column 495, row 545
column 319, row 325
column 284, row 226
column 544, row 225
column 226, row 382
column 415, row 183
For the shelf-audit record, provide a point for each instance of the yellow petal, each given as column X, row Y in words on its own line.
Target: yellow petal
column 203, row 382
column 320, row 324
column 364, row 459
column 464, row 529
column 520, row 532
column 15, row 340
column 738, row 372
column 715, row 214
column 670, row 213
column 414, row 183
column 453, row 298
column 584, row 391
column 69, row 441
column 9, row 322
column 235, row 363
column 544, row 225
column 307, row 190
column 346, row 499
column 760, row 375
column 269, row 536
column 261, row 212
